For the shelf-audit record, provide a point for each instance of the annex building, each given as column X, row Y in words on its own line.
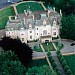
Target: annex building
column 37, row 25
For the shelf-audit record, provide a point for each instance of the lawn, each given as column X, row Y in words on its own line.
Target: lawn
column 33, row 7
column 4, row 14
column 48, row 47
column 71, row 62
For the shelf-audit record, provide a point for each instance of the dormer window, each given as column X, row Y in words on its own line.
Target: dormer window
column 44, row 23
column 21, row 28
column 54, row 22
column 30, row 26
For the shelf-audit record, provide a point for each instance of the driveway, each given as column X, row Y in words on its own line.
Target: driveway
column 5, row 3
column 66, row 49
column 67, row 46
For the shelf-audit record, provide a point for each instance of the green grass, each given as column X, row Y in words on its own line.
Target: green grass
column 33, row 7
column 48, row 47
column 4, row 14
column 71, row 62
column 38, row 63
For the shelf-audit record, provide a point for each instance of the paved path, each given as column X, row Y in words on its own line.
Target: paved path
column 5, row 3
column 59, row 65
column 47, row 60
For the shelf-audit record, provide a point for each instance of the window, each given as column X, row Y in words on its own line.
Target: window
column 9, row 32
column 22, row 34
column 37, row 33
column 54, row 28
column 22, row 39
column 30, row 37
column 45, row 32
column 30, row 31
column 54, row 33
column 37, row 28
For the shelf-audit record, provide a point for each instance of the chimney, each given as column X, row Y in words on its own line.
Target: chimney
column 48, row 12
column 54, row 9
column 60, row 12
column 25, row 12
column 33, row 17
column 24, row 20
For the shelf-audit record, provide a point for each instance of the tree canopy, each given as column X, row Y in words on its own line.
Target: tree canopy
column 10, row 65
column 22, row 50
column 68, row 27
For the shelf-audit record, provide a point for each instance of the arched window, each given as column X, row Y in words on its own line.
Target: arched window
column 45, row 32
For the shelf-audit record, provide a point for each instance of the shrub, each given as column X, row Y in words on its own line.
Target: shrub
column 69, row 71
column 58, row 52
column 50, row 57
column 58, row 73
column 54, row 65
column 52, row 60
column 49, row 53
column 64, row 63
column 66, row 67
column 59, row 55
column 70, row 74
column 56, row 69
column 61, row 59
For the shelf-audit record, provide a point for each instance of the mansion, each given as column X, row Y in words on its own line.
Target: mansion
column 37, row 25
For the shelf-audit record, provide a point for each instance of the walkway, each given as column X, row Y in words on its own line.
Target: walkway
column 47, row 60
column 57, row 60
column 59, row 64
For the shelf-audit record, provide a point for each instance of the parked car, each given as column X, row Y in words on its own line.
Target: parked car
column 72, row 44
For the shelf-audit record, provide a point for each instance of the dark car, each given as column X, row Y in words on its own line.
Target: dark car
column 72, row 44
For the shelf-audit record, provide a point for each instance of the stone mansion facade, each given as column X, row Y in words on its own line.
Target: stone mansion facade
column 37, row 25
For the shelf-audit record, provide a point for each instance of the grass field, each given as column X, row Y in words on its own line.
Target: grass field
column 4, row 14
column 38, row 63
column 71, row 62
column 33, row 7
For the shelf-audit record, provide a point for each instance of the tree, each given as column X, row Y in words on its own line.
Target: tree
column 10, row 65
column 43, row 70
column 68, row 26
column 22, row 50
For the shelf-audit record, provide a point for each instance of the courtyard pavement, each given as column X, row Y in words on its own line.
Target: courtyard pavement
column 67, row 46
column 66, row 49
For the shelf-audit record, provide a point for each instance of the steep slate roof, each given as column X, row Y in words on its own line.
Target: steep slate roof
column 36, row 22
